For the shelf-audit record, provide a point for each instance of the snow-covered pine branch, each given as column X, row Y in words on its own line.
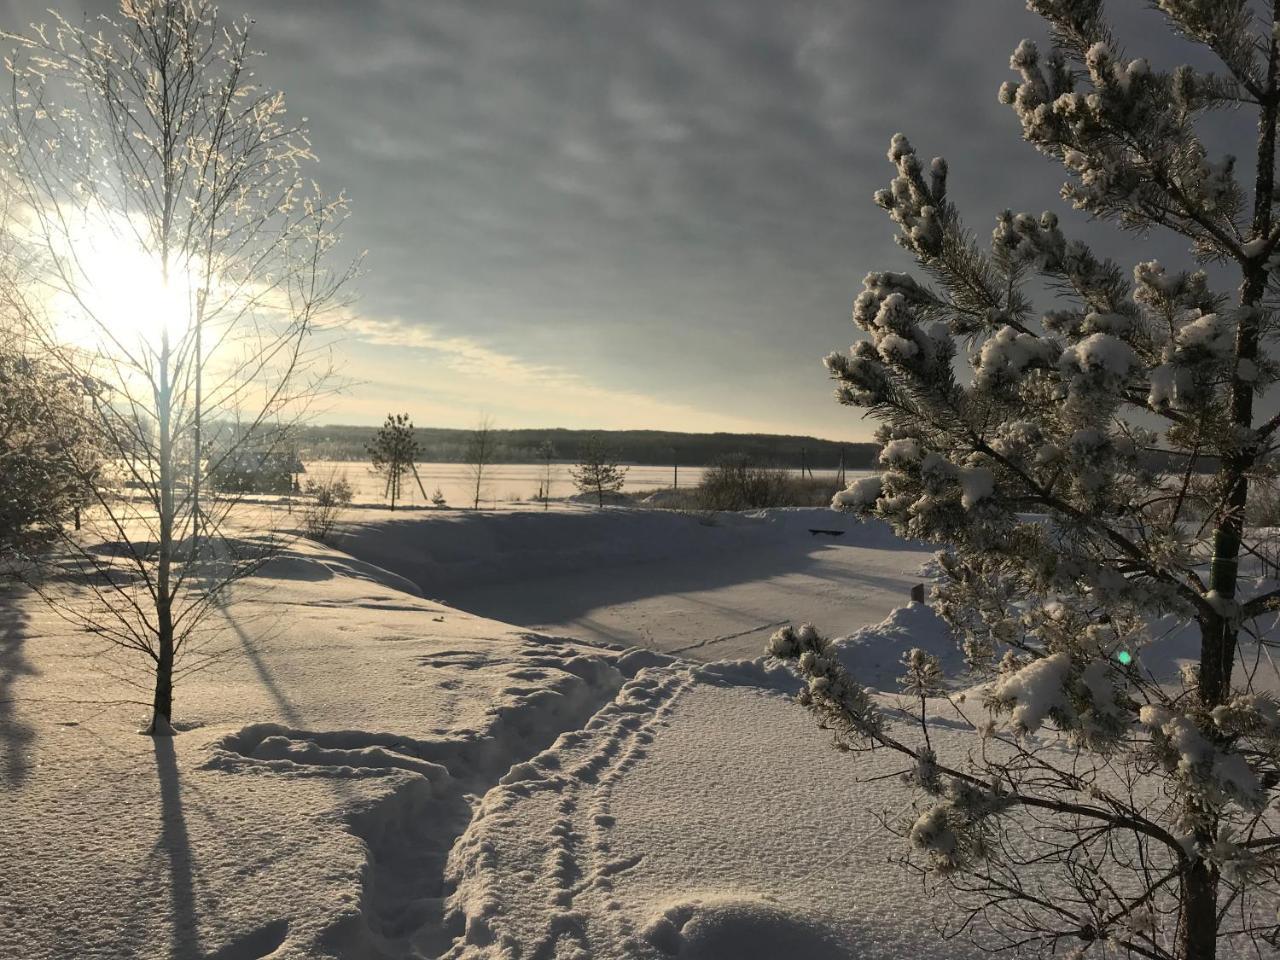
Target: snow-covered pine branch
column 1089, row 466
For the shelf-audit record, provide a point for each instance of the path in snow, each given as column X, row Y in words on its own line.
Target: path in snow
column 770, row 851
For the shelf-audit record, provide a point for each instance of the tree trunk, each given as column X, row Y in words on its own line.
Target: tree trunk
column 1198, row 925
column 162, row 702
column 1197, row 934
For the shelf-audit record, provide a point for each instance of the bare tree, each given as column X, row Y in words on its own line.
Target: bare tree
column 329, row 498
column 548, row 454
column 168, row 226
column 597, row 470
column 481, row 447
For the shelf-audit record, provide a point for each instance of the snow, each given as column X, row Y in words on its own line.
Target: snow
column 906, row 450
column 859, row 494
column 319, row 798
column 703, row 586
column 694, row 821
column 873, row 654
column 1211, row 333
column 976, row 485
column 379, row 774
column 1034, row 690
column 1006, row 355
column 1100, row 352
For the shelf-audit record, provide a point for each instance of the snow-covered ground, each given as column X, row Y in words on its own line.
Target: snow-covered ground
column 372, row 774
column 703, row 587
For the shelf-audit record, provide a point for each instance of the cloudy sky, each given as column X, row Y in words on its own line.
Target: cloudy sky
column 614, row 213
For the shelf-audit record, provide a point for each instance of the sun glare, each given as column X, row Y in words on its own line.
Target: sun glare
column 117, row 291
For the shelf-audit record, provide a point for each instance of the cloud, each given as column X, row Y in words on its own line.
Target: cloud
column 669, row 197
column 471, row 376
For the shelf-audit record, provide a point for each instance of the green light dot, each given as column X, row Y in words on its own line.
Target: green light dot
column 1125, row 657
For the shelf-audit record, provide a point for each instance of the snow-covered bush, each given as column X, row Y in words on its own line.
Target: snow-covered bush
column 1088, row 469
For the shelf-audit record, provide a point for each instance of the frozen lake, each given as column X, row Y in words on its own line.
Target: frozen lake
column 503, row 482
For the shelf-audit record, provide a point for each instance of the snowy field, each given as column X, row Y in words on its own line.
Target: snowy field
column 371, row 774
column 668, row 581
column 504, row 483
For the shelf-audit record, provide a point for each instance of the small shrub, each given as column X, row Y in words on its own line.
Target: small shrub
column 735, row 484
column 330, row 496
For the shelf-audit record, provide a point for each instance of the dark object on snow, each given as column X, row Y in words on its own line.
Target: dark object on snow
column 917, row 593
column 828, row 533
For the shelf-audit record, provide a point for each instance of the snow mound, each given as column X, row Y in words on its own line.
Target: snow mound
column 873, row 655
column 746, row 928
column 306, row 563
column 765, row 673
column 662, row 497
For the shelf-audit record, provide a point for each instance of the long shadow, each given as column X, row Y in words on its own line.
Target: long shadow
column 555, row 568
column 16, row 736
column 250, row 647
column 174, row 841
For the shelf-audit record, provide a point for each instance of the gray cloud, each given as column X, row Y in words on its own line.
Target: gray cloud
column 670, row 198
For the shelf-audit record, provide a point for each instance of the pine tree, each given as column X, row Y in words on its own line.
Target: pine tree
column 393, row 452
column 53, row 461
column 597, row 471
column 1088, row 470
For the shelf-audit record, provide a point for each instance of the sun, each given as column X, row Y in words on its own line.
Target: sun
column 113, row 288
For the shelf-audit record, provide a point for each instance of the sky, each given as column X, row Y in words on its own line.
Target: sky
column 619, row 214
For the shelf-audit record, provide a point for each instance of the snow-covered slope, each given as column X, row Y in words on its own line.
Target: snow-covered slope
column 370, row 774
column 704, row 587
column 318, row 800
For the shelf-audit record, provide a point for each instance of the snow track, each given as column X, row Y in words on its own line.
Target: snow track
column 568, row 787
column 409, row 832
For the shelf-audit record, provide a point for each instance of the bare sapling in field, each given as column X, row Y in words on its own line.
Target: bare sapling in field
column 329, row 497
column 165, row 241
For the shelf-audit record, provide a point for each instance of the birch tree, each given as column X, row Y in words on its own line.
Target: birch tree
column 1088, row 468
column 167, row 240
column 482, row 447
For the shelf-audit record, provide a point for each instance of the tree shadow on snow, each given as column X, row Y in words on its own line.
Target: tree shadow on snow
column 17, row 737
column 176, row 847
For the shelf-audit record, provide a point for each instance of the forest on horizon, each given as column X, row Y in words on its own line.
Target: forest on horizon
column 641, row 447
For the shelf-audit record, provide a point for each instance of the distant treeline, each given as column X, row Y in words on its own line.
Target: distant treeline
column 648, row 447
